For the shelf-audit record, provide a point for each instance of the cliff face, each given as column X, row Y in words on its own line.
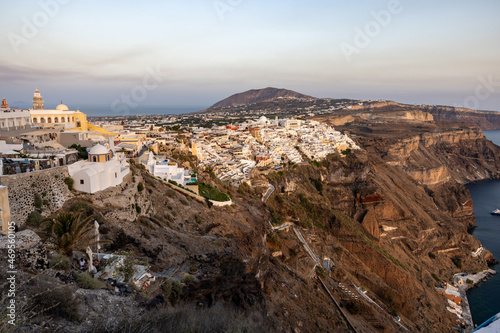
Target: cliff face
column 461, row 154
column 486, row 120
column 379, row 225
column 394, row 216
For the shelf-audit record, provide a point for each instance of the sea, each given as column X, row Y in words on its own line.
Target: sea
column 484, row 300
column 122, row 110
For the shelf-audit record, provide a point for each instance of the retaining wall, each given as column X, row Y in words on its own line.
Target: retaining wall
column 49, row 184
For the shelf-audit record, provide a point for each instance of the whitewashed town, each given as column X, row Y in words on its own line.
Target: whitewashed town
column 40, row 138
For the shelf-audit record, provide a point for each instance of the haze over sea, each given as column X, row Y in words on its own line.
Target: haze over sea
column 106, row 110
column 485, row 300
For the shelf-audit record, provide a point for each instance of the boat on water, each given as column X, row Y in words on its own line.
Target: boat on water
column 495, row 212
column 492, row 325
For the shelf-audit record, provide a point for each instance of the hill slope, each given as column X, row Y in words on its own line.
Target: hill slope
column 258, row 96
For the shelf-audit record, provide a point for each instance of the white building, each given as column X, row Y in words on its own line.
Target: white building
column 104, row 169
column 14, row 119
column 6, row 148
column 167, row 170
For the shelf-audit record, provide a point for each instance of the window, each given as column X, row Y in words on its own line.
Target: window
column 94, row 159
column 116, row 176
column 81, row 181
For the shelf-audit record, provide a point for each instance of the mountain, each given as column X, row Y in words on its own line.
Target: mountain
column 259, row 96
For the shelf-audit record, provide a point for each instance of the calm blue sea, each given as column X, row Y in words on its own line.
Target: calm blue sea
column 485, row 300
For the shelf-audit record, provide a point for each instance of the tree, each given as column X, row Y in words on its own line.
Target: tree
column 82, row 151
column 69, row 231
column 127, row 269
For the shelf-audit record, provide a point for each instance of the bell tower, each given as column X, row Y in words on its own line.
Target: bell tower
column 4, row 104
column 37, row 101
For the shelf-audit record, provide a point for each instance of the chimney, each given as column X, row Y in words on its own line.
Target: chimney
column 111, row 143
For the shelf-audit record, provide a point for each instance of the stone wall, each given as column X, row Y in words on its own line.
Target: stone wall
column 49, row 184
column 30, row 250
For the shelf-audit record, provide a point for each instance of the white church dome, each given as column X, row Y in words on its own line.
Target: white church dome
column 98, row 150
column 262, row 120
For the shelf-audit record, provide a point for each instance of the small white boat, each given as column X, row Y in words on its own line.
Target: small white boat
column 495, row 212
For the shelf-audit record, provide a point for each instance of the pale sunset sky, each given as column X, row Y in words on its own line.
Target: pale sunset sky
column 93, row 52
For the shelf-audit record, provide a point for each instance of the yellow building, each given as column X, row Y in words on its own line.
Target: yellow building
column 60, row 117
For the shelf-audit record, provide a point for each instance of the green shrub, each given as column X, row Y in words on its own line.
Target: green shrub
column 70, row 182
column 316, row 163
column 243, row 188
column 188, row 279
column 38, row 201
column 172, row 290
column 138, row 208
column 170, row 193
column 276, row 218
column 35, row 219
column 346, row 152
column 140, row 187
column 54, row 300
column 85, row 281
column 432, row 255
column 81, row 206
column 457, row 261
column 61, row 262
column 212, row 193
column 469, row 281
column 317, row 184
column 321, row 272
column 434, row 275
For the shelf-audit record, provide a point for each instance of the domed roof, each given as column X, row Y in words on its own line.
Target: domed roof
column 98, row 150
column 62, row 107
column 262, row 120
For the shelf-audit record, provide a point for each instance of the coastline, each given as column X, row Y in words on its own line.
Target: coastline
column 457, row 295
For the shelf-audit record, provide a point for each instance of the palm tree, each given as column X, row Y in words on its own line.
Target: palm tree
column 68, row 231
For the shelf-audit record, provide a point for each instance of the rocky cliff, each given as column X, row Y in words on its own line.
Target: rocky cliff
column 486, row 120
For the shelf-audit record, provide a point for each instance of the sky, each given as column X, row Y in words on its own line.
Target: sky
column 128, row 55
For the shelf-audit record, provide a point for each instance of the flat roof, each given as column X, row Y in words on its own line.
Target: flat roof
column 18, row 132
